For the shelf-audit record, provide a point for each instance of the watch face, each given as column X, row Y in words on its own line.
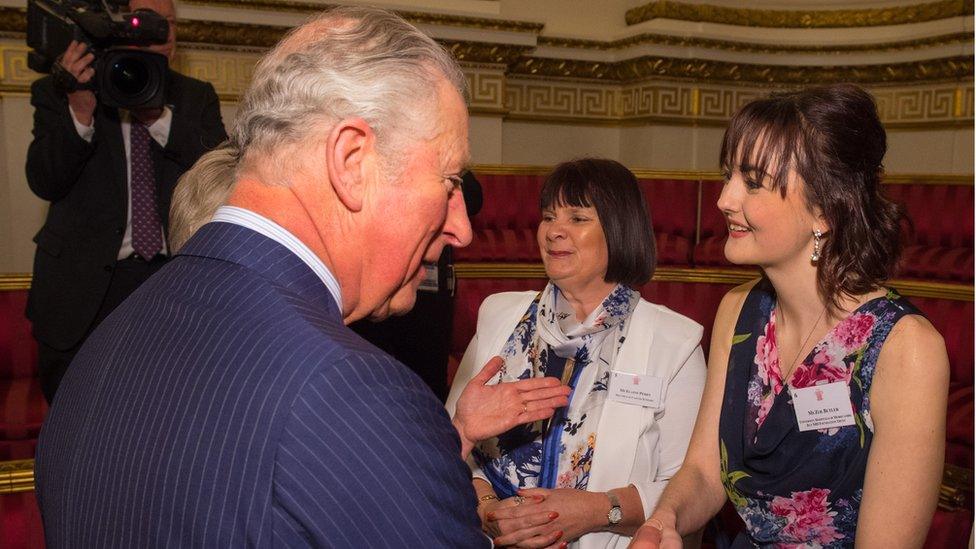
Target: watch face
column 615, row 515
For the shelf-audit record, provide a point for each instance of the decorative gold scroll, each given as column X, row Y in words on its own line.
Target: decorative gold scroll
column 868, row 17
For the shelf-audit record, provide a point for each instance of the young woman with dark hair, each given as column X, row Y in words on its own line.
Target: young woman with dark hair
column 823, row 417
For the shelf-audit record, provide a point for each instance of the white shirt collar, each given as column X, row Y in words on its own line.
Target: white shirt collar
column 262, row 225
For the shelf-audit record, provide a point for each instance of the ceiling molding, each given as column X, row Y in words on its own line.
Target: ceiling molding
column 805, row 19
column 520, row 62
column 654, row 39
column 649, row 66
column 415, row 17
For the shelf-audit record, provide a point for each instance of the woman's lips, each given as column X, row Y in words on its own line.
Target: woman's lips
column 738, row 231
column 558, row 255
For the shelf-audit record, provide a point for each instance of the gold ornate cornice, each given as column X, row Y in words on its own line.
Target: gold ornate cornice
column 229, row 34
column 647, row 67
column 908, row 288
column 520, row 62
column 957, row 487
column 485, row 52
column 15, row 281
column 415, row 17
column 16, row 476
column 869, row 17
column 750, row 47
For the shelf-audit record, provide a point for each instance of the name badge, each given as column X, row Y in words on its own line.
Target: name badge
column 429, row 283
column 823, row 406
column 637, row 389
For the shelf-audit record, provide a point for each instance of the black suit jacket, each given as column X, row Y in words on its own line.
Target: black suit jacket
column 86, row 184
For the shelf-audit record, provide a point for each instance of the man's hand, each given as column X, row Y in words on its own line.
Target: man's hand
column 76, row 60
column 484, row 411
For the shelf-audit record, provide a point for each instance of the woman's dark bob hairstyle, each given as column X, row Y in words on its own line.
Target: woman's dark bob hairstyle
column 832, row 137
column 612, row 189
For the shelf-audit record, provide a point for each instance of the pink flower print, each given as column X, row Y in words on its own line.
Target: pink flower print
column 764, row 407
column 767, row 358
column 824, row 367
column 566, row 480
column 853, row 333
column 808, row 516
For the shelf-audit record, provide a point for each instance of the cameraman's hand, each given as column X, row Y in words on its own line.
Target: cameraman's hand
column 77, row 61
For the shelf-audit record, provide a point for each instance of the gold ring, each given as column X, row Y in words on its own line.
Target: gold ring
column 525, row 407
column 519, row 500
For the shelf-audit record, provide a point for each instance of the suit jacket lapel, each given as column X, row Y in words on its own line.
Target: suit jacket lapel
column 269, row 260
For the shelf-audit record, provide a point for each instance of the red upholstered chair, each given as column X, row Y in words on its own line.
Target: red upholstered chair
column 505, row 228
column 22, row 406
column 698, row 301
column 710, row 249
column 673, row 206
column 941, row 246
column 468, row 297
column 20, row 521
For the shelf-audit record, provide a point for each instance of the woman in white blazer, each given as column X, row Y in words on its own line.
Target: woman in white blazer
column 591, row 474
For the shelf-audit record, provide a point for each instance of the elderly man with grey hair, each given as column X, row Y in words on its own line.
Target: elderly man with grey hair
column 225, row 404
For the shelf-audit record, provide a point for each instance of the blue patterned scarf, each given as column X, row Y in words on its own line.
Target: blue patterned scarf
column 549, row 341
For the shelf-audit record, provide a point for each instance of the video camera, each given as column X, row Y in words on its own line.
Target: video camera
column 124, row 77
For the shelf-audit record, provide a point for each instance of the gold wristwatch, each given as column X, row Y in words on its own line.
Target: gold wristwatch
column 614, row 515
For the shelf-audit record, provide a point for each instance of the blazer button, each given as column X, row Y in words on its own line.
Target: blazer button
column 108, row 268
column 120, row 230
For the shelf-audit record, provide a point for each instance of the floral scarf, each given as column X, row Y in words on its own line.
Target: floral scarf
column 548, row 341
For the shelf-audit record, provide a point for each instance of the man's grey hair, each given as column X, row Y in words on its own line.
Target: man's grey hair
column 347, row 62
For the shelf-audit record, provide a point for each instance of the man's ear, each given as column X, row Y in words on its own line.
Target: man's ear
column 348, row 149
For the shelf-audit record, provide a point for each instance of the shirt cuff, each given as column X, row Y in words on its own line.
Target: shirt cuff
column 85, row 132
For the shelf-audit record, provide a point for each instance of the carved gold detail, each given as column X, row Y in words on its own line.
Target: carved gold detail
column 728, row 45
column 229, row 34
column 16, row 476
column 487, row 90
column 577, row 100
column 674, row 102
column 916, row 105
column 484, row 52
column 646, row 67
column 414, row 17
column 872, row 17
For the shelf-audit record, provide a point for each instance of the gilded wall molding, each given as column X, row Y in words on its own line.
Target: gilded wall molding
column 250, row 37
column 654, row 39
column 711, row 104
column 646, row 67
column 908, row 288
column 867, row 17
column 415, row 17
column 16, row 476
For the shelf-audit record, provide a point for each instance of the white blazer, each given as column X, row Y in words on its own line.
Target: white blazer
column 635, row 445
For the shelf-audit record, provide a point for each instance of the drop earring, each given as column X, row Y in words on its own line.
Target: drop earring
column 817, row 235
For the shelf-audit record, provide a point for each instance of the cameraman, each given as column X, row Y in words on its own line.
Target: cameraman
column 109, row 175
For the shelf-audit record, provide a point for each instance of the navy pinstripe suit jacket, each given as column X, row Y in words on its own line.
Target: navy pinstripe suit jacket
column 224, row 404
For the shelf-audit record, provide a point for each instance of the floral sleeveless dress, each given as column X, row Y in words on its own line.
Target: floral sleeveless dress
column 793, row 488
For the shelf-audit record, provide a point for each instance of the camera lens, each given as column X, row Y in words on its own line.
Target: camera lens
column 130, row 76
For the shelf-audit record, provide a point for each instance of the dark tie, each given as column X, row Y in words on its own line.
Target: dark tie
column 147, row 239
